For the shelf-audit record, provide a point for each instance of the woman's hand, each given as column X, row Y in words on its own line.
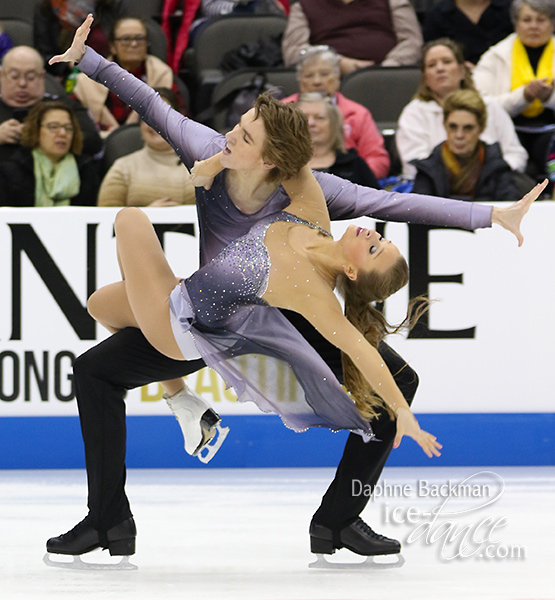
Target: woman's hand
column 545, row 92
column 200, row 175
column 204, row 171
column 538, row 88
column 77, row 49
column 511, row 217
column 408, row 425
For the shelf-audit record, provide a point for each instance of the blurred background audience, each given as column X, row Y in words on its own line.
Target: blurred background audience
column 346, row 51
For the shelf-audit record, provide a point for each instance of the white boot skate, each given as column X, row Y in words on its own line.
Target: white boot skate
column 199, row 424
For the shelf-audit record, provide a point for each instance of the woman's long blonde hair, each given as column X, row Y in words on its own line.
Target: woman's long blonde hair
column 359, row 296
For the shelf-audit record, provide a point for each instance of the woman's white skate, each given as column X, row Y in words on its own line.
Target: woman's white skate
column 199, row 423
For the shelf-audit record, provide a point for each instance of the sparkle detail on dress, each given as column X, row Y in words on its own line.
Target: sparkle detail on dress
column 238, row 275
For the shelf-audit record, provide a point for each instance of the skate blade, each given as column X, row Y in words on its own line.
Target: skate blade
column 78, row 564
column 208, row 450
column 369, row 563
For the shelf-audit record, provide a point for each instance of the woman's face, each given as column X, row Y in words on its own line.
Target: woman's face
column 130, row 43
column 463, row 132
column 366, row 250
column 56, row 134
column 533, row 28
column 318, row 122
column 319, row 76
column 442, row 73
column 153, row 139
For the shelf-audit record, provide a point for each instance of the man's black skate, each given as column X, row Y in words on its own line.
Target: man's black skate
column 84, row 538
column 357, row 537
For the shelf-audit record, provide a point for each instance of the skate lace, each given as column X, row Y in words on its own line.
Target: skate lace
column 81, row 525
column 367, row 530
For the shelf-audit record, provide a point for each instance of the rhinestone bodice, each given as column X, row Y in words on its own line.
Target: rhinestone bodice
column 237, row 276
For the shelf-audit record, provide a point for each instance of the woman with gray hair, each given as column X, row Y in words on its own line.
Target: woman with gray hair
column 318, row 71
column 519, row 71
column 326, row 129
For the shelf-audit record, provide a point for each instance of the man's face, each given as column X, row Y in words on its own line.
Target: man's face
column 245, row 143
column 21, row 78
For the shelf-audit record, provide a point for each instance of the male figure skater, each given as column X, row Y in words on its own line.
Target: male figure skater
column 126, row 360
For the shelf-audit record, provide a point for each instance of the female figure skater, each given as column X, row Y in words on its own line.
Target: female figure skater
column 258, row 154
column 287, row 260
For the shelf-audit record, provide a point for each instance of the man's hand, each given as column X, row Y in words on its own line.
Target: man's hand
column 511, row 217
column 77, row 49
column 10, row 131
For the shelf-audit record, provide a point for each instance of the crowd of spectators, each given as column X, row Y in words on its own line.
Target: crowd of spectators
column 487, row 69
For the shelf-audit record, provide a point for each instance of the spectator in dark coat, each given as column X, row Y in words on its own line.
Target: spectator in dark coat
column 463, row 166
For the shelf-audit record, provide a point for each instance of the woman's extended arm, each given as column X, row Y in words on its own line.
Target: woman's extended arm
column 329, row 320
column 192, row 141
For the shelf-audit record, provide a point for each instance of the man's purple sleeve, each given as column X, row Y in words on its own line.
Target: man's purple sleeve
column 347, row 200
column 191, row 140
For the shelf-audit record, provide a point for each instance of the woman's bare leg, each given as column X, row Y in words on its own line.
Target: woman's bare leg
column 173, row 386
column 109, row 306
column 142, row 298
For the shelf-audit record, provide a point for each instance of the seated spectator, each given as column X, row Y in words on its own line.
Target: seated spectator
column 47, row 169
column 5, row 41
column 216, row 8
column 474, row 24
column 318, row 71
column 55, row 22
column 152, row 176
column 129, row 43
column 420, row 127
column 363, row 33
column 21, row 87
column 463, row 166
column 519, row 71
column 326, row 129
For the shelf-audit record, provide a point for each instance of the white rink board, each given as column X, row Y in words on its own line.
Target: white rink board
column 507, row 294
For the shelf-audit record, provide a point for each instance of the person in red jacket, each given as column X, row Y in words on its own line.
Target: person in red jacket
column 318, row 71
